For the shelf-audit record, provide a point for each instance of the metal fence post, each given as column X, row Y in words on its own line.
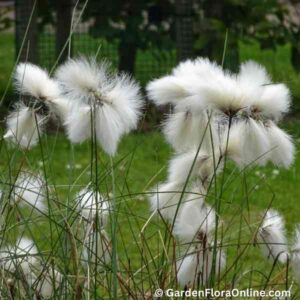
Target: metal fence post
column 184, row 29
column 26, row 14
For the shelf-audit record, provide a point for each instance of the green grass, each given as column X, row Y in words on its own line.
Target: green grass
column 7, row 58
column 140, row 164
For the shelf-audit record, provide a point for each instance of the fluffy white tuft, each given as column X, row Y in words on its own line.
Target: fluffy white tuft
column 166, row 199
column 282, row 149
column 20, row 257
column 253, row 73
column 61, row 107
column 195, row 267
column 166, row 90
column 91, row 203
column 189, row 270
column 272, row 235
column 186, row 130
column 196, row 220
column 188, row 164
column 109, row 128
column 275, row 101
column 34, row 81
column 30, row 190
column 222, row 93
column 127, row 101
column 80, row 77
column 295, row 260
column 78, row 123
column 24, row 126
column 110, row 104
column 248, row 143
column 201, row 68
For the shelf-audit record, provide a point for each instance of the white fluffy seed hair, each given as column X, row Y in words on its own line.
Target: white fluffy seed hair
column 199, row 165
column 61, row 107
column 185, row 130
column 78, row 123
column 206, row 82
column 181, row 87
column 165, row 199
column 191, row 269
column 90, row 203
column 251, row 71
column 295, row 260
column 274, row 102
column 166, row 90
column 195, row 217
column 201, row 67
column 109, row 125
column 30, row 190
column 195, row 267
column 217, row 89
column 271, row 100
column 21, row 256
column 248, row 143
column 83, row 81
column 24, row 126
column 282, row 148
column 272, row 237
column 79, row 77
column 33, row 81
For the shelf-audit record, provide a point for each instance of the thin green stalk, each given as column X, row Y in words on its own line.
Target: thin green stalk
column 114, row 233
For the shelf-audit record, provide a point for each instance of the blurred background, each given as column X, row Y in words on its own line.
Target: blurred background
column 149, row 37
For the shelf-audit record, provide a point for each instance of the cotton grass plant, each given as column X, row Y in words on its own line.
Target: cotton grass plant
column 217, row 117
column 85, row 233
column 92, row 104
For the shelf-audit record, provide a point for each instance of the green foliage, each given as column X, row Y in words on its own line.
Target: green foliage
column 142, row 23
column 5, row 19
column 247, row 21
column 146, row 260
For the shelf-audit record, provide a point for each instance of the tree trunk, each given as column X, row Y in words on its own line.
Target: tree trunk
column 63, row 27
column 26, row 17
column 127, row 56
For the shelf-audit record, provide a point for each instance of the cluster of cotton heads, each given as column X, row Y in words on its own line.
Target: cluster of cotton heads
column 90, row 100
column 215, row 114
column 23, row 257
column 208, row 101
column 23, row 260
